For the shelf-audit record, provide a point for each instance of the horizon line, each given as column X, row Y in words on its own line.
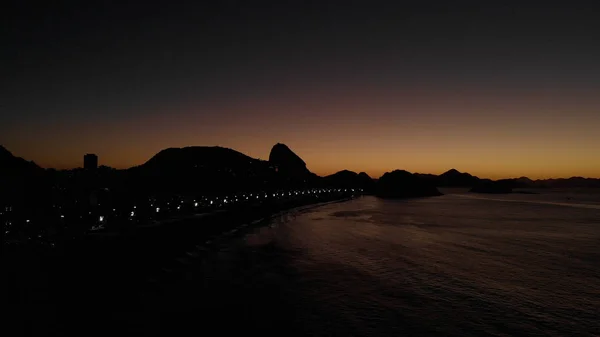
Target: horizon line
column 67, row 168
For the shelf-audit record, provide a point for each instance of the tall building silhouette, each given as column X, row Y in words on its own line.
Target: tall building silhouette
column 90, row 161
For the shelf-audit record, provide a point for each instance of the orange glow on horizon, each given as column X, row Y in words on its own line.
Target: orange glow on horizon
column 365, row 132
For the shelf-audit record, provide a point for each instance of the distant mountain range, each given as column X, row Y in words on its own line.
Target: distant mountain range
column 221, row 170
column 455, row 178
column 450, row 178
column 573, row 182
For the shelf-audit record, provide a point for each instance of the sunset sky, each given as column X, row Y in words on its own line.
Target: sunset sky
column 497, row 91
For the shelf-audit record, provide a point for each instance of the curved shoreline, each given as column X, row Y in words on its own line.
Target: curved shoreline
column 114, row 268
column 242, row 227
column 302, row 208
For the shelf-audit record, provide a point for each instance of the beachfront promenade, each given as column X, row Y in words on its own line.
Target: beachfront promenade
column 115, row 266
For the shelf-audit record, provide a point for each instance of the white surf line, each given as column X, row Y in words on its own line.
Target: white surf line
column 590, row 206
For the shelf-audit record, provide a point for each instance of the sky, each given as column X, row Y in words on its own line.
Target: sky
column 495, row 90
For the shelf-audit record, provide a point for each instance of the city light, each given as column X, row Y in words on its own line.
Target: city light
column 181, row 207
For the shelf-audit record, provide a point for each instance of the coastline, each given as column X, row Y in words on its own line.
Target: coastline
column 86, row 278
column 230, row 226
column 154, row 298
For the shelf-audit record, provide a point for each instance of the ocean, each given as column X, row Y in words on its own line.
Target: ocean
column 457, row 265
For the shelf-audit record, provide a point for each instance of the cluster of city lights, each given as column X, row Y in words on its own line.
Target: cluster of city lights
column 98, row 217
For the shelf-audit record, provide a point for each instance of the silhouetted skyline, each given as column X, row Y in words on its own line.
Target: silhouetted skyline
column 495, row 90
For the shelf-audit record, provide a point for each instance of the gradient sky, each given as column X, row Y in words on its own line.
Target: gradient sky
column 497, row 91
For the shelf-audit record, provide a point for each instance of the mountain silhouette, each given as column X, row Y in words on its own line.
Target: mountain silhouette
column 573, row 182
column 20, row 179
column 12, row 165
column 524, row 180
column 350, row 179
column 219, row 170
column 403, row 184
column 287, row 162
column 450, row 178
column 455, row 178
column 202, row 169
column 366, row 182
column 201, row 156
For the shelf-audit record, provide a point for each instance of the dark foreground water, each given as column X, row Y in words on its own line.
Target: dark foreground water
column 456, row 265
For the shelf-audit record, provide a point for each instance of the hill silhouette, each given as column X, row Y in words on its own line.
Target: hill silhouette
column 291, row 169
column 206, row 169
column 220, row 170
column 16, row 166
column 573, row 182
column 193, row 156
column 403, row 184
column 287, row 162
column 451, row 178
column 350, row 179
column 455, row 178
column 20, row 179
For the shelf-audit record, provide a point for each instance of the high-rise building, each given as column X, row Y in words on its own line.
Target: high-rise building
column 90, row 161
